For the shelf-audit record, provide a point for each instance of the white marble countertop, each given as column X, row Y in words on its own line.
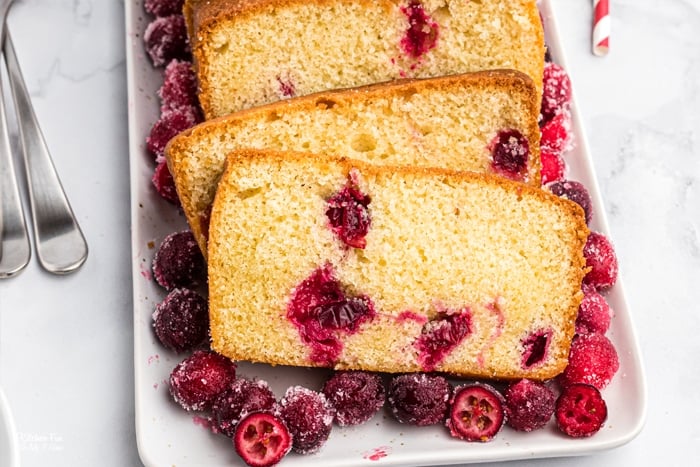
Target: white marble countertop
column 66, row 348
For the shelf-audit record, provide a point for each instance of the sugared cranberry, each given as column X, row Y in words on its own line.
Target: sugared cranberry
column 419, row 399
column 179, row 262
column 529, row 405
column 510, row 151
column 556, row 92
column 476, row 412
column 593, row 313
column 556, row 134
column 164, row 183
column 348, row 215
column 262, row 439
column 309, row 418
column 181, row 320
column 200, row 378
column 168, row 125
column 322, row 312
column 580, row 411
column 242, row 397
column 441, row 335
column 165, row 39
column 600, row 257
column 553, row 167
column 163, row 7
column 422, row 33
column 355, row 395
column 179, row 87
column 592, row 360
column 576, row 192
column 535, row 348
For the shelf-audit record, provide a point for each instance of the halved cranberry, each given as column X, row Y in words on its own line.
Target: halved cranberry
column 477, row 412
column 510, row 151
column 441, row 335
column 262, row 439
column 348, row 215
column 581, row 410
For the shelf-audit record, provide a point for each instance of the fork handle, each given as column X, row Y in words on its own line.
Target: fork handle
column 60, row 245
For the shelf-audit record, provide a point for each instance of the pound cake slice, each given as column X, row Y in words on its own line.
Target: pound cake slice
column 252, row 52
column 484, row 121
column 331, row 262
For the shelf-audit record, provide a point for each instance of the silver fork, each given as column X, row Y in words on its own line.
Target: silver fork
column 14, row 239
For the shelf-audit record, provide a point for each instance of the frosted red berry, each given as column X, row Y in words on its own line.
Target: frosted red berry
column 576, row 192
column 419, row 399
column 309, row 418
column 601, row 258
column 168, row 125
column 181, row 320
column 556, row 134
column 553, row 167
column 580, row 411
column 355, row 395
column 200, row 378
column 165, row 39
column 178, row 261
column 422, row 33
column 477, row 412
column 163, row 7
column 164, row 183
column 262, row 439
column 556, row 92
column 442, row 335
column 510, row 152
column 529, row 405
column 179, row 87
column 241, row 397
column 348, row 215
column 593, row 360
column 593, row 313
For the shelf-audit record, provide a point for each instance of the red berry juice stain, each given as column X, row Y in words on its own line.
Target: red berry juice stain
column 204, row 422
column 422, row 33
column 153, row 359
column 496, row 308
column 411, row 316
column 377, row 453
column 286, row 87
column 145, row 272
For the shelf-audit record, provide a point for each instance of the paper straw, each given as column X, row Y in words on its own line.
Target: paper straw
column 601, row 27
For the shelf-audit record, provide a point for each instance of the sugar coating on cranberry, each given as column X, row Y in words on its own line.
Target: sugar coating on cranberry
column 164, row 183
column 529, row 405
column 419, row 399
column 593, row 313
column 178, row 261
column 601, row 258
column 168, row 125
column 593, row 360
column 535, row 347
column 309, row 418
column 580, row 410
column 576, row 192
column 556, row 134
column 243, row 396
column 165, row 39
column 179, row 88
column 422, row 33
column 348, row 214
column 262, row 439
column 510, row 151
column 553, row 167
column 442, row 335
column 197, row 380
column 181, row 320
column 163, row 7
column 476, row 412
column 355, row 396
column 323, row 313
column 556, row 91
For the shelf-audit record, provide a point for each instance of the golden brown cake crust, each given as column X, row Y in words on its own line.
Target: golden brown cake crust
column 187, row 161
column 246, row 317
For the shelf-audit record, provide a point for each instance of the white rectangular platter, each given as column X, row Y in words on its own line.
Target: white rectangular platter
column 169, row 436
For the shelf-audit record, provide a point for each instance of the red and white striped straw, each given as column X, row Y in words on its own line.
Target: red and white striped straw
column 601, row 27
